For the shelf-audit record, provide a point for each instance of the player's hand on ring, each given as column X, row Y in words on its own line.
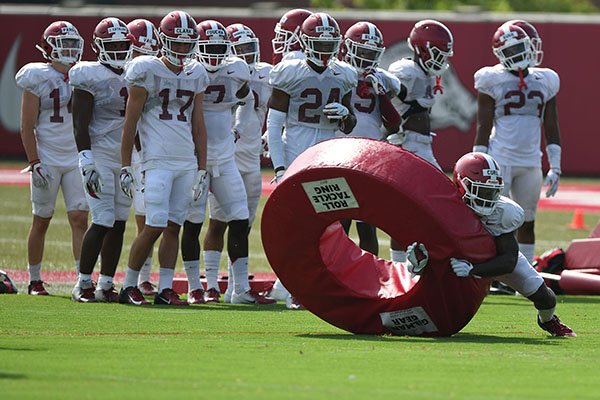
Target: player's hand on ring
column 417, row 257
column 462, row 268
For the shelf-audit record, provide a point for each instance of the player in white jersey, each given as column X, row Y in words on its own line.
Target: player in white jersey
column 311, row 97
column 145, row 41
column 47, row 135
column 286, row 43
column 99, row 99
column 247, row 129
column 514, row 100
column 165, row 105
column 479, row 181
column 363, row 48
column 432, row 44
column 228, row 85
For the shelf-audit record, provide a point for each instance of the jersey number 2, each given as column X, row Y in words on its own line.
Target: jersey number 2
column 334, row 97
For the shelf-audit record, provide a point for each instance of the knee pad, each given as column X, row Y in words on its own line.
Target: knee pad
column 367, row 180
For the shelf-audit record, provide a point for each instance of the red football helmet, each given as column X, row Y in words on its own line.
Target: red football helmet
column 536, row 40
column 61, row 42
column 144, row 36
column 363, row 46
column 479, row 181
column 112, row 42
column 320, row 39
column 244, row 43
column 287, row 31
column 213, row 44
column 178, row 36
column 432, row 43
column 513, row 48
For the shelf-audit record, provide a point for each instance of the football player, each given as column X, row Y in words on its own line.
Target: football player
column 228, row 86
column 480, row 183
column 99, row 98
column 286, row 43
column 145, row 41
column 165, row 104
column 515, row 98
column 47, row 135
column 247, row 129
column 431, row 42
column 311, row 98
column 363, row 48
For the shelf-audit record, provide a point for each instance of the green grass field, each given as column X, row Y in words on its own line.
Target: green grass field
column 54, row 348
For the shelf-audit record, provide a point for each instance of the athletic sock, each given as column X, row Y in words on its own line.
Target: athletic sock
column 165, row 280
column 528, row 250
column 212, row 259
column 398, row 255
column 240, row 275
column 145, row 271
column 131, row 278
column 77, row 266
column 192, row 270
column 105, row 282
column 546, row 315
column 34, row 272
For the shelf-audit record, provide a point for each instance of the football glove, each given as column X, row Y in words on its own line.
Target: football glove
column 91, row 178
column 128, row 183
column 396, row 139
column 199, row 184
column 335, row 111
column 552, row 182
column 462, row 268
column 264, row 141
column 373, row 78
column 417, row 258
column 39, row 175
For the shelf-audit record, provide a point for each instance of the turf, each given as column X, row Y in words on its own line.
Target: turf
column 52, row 348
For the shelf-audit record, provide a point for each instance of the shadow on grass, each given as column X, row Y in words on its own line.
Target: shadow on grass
column 12, row 375
column 458, row 338
column 4, row 348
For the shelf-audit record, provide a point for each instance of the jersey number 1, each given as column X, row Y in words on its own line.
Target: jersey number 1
column 180, row 93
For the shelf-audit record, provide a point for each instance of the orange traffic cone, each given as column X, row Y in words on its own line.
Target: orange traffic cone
column 577, row 222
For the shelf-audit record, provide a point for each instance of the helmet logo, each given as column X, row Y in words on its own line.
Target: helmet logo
column 325, row 30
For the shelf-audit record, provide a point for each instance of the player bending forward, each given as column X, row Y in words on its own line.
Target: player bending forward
column 479, row 181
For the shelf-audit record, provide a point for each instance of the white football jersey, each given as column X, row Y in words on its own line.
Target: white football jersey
column 294, row 55
column 419, row 85
column 165, row 127
column 367, row 109
column 507, row 217
column 250, row 118
column 54, row 128
column 518, row 114
column 109, row 90
column 309, row 92
column 219, row 101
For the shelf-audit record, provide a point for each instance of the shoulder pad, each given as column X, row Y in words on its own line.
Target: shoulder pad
column 513, row 215
column 30, row 77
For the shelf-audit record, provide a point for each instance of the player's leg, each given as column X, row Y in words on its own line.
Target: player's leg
column 139, row 210
column 213, row 247
column 420, row 145
column 190, row 242
column 42, row 205
column 77, row 210
column 157, row 193
column 526, row 187
column 168, row 250
column 367, row 235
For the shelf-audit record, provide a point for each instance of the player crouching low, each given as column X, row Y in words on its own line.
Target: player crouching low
column 479, row 181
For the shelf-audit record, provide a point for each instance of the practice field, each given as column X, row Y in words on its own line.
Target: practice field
column 54, row 348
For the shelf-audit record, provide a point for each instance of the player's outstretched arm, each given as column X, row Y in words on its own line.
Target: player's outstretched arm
column 485, row 122
column 133, row 111
column 507, row 253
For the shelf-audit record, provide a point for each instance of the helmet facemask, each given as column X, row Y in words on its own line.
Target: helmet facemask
column 285, row 41
column 363, row 56
column 66, row 49
column 516, row 54
column 247, row 50
column 213, row 53
column 321, row 50
column 482, row 197
column 114, row 52
column 178, row 51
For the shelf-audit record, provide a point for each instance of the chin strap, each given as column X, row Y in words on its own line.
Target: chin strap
column 522, row 83
column 438, row 85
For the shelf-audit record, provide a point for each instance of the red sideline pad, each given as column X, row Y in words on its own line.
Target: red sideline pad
column 583, row 253
column 575, row 282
